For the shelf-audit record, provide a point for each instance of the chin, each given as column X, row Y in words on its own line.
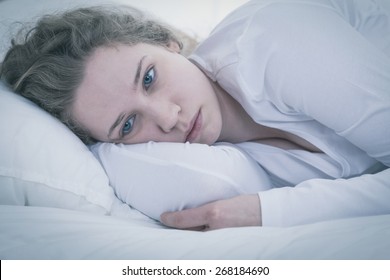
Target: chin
column 212, row 139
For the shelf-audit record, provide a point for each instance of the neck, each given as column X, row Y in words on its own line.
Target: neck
column 237, row 125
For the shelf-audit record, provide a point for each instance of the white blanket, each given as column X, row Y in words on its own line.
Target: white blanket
column 49, row 233
column 56, row 202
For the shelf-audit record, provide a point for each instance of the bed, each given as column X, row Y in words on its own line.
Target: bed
column 56, row 201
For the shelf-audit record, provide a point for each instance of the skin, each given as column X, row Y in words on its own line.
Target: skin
column 141, row 93
column 239, row 211
column 135, row 94
column 146, row 87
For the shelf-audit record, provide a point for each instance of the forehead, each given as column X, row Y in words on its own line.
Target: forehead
column 114, row 66
column 108, row 74
column 110, row 61
column 104, row 72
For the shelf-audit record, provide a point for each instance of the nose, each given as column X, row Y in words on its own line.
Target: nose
column 165, row 114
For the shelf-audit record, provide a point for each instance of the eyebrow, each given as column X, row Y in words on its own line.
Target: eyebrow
column 136, row 81
column 138, row 73
column 115, row 124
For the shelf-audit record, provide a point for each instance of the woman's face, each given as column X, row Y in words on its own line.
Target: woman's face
column 141, row 93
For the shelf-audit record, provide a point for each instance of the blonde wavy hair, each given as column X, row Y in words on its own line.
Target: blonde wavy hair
column 46, row 63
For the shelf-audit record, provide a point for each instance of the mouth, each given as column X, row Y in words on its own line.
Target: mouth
column 195, row 127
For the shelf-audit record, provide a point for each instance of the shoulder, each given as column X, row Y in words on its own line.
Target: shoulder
column 254, row 29
column 221, row 48
column 252, row 51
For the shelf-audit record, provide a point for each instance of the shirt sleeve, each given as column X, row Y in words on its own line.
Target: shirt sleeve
column 322, row 199
column 323, row 67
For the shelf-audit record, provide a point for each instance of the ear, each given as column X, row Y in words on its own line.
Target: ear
column 174, row 46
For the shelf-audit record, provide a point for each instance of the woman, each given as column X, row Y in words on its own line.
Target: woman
column 308, row 81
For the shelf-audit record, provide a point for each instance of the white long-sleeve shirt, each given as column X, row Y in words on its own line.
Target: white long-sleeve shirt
column 300, row 66
column 321, row 70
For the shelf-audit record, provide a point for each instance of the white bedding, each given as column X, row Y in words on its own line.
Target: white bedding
column 48, row 233
column 56, row 202
column 155, row 178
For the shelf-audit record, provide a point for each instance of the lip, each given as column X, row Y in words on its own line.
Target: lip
column 196, row 125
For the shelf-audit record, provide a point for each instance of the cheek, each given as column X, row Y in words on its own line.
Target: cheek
column 213, row 131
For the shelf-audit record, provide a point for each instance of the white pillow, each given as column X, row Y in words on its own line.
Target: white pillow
column 43, row 163
column 159, row 177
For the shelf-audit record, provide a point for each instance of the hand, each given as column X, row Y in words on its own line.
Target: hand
column 239, row 211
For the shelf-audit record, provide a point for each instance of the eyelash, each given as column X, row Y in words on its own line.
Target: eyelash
column 150, row 74
column 147, row 85
column 130, row 119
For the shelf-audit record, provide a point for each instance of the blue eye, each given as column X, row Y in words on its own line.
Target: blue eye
column 149, row 78
column 128, row 126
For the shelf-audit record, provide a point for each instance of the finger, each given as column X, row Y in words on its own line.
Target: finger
column 200, row 228
column 185, row 219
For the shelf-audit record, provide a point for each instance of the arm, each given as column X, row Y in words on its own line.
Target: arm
column 292, row 206
column 320, row 199
column 159, row 177
column 340, row 78
column 239, row 211
column 331, row 68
